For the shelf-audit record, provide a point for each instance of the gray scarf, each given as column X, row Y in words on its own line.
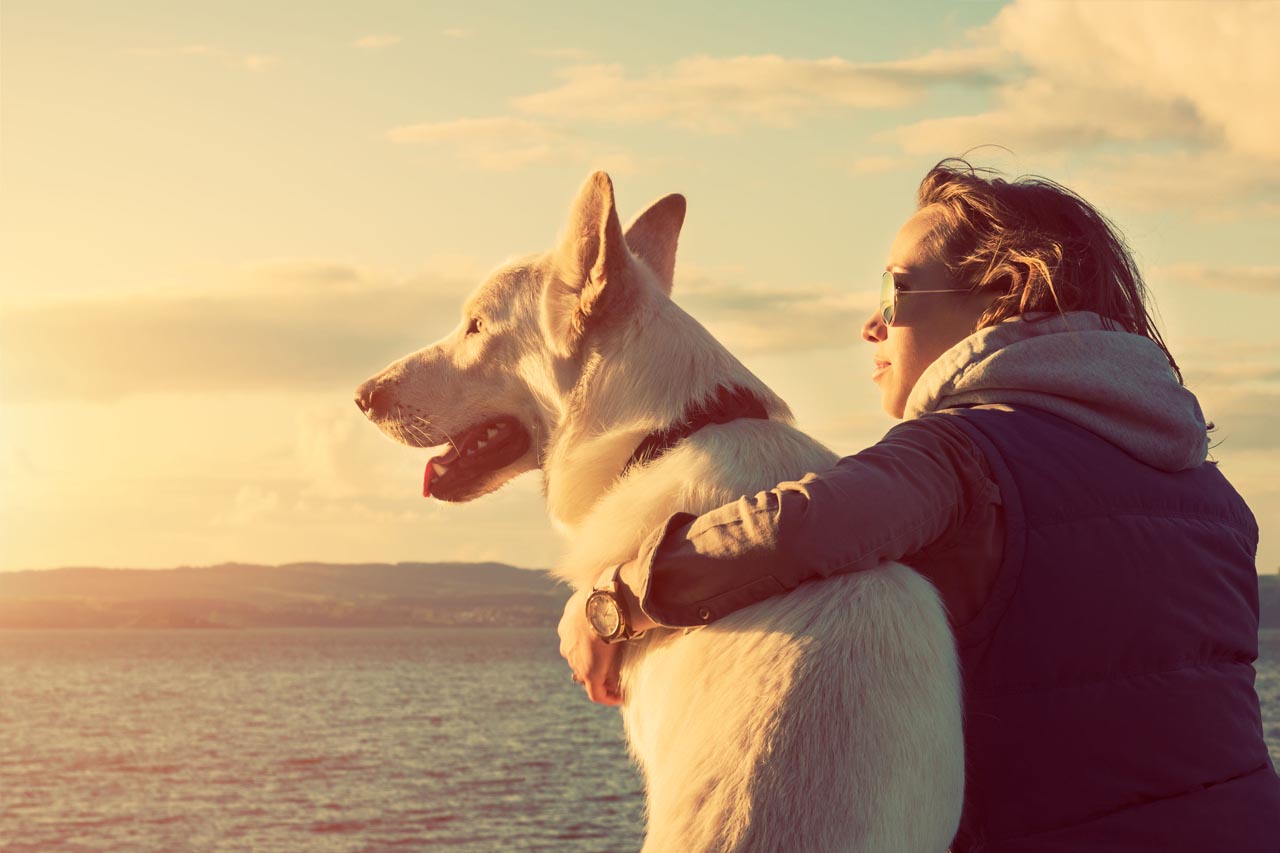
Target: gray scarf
column 1116, row 384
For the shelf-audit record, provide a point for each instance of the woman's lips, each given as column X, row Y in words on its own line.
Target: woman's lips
column 880, row 367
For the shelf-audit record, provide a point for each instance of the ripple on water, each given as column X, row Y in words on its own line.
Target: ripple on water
column 462, row 740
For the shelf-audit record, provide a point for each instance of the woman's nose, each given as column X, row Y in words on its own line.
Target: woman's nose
column 874, row 330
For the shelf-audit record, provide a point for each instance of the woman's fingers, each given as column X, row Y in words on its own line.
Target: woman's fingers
column 602, row 676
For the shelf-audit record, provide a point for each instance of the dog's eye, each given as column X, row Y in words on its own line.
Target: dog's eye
column 474, row 326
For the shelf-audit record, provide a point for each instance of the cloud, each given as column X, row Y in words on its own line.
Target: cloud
column 301, row 326
column 328, row 452
column 723, row 94
column 455, row 32
column 1263, row 280
column 507, row 143
column 228, row 58
column 1212, row 64
column 757, row 318
column 259, row 62
column 1046, row 116
column 1238, row 384
column 1242, row 420
column 878, row 164
column 1175, row 100
column 1211, row 184
column 251, row 504
column 1234, row 374
column 1170, row 104
column 572, row 54
column 493, row 144
column 1094, row 73
column 375, row 42
column 281, row 275
column 701, row 92
column 310, row 276
column 297, row 330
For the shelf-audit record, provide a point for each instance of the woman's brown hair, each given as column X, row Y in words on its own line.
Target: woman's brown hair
column 1038, row 244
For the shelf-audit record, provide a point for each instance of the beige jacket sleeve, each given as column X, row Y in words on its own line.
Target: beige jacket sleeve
column 911, row 490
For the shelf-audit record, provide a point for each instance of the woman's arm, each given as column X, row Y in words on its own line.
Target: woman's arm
column 911, row 490
column 897, row 497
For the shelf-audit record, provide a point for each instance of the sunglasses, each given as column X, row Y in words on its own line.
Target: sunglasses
column 889, row 296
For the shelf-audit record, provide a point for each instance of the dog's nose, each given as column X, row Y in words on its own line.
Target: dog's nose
column 371, row 399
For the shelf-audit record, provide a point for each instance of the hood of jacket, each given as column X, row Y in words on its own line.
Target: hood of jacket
column 1116, row 384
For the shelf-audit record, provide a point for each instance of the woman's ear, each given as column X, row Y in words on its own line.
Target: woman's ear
column 592, row 257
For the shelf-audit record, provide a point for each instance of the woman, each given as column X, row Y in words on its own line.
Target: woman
column 1050, row 478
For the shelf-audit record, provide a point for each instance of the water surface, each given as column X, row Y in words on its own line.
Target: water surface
column 468, row 739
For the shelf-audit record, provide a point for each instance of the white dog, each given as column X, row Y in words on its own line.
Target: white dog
column 828, row 718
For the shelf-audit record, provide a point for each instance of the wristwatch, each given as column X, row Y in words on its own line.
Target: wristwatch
column 607, row 612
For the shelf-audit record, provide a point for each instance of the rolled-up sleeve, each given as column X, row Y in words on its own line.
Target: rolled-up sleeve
column 897, row 497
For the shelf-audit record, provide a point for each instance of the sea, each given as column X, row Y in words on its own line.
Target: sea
column 460, row 739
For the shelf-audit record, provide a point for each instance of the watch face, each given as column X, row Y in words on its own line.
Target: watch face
column 602, row 613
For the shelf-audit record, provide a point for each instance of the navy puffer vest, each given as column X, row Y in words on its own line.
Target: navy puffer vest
column 1109, row 686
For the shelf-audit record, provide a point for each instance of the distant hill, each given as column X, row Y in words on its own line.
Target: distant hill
column 235, row 595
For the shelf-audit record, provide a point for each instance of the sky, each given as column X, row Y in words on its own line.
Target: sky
column 216, row 220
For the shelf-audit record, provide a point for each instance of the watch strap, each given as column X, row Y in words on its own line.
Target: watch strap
column 609, row 586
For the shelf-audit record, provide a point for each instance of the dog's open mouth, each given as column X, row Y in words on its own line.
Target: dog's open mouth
column 480, row 450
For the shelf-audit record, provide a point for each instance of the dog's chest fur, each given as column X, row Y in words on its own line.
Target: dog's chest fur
column 768, row 710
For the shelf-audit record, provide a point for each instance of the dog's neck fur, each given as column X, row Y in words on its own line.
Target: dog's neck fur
column 626, row 391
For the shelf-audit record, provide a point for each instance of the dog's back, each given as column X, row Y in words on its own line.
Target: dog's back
column 824, row 719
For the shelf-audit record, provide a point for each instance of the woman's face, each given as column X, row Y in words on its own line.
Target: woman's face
column 927, row 324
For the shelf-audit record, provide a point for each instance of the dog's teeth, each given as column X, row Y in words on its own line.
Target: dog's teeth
column 481, row 443
column 471, row 451
column 439, row 469
column 492, row 432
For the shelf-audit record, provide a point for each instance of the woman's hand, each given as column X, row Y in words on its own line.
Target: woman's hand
column 596, row 664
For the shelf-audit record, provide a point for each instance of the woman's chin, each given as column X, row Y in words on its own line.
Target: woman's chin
column 894, row 405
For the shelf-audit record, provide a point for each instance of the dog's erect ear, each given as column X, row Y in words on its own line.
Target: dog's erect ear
column 592, row 255
column 653, row 236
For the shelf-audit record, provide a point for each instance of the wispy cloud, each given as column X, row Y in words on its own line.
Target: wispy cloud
column 1238, row 384
column 259, row 62
column 310, row 276
column 499, row 143
column 759, row 317
column 251, row 503
column 571, row 54
column 1234, row 375
column 376, row 42
column 705, row 93
column 299, row 331
column 1230, row 366
column 227, row 58
column 1245, row 279
column 723, row 94
column 1242, row 420
column 1044, row 116
column 456, row 32
column 1209, row 183
column 880, row 163
column 507, row 143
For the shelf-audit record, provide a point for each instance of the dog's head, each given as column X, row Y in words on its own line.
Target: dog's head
column 487, row 397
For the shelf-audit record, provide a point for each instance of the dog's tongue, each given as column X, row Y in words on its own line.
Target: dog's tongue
column 442, row 454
